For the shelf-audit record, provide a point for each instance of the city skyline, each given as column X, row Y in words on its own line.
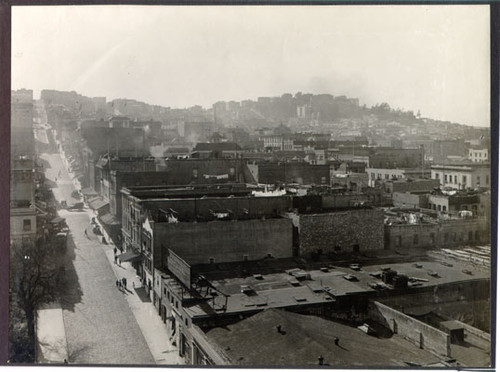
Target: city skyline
column 441, row 60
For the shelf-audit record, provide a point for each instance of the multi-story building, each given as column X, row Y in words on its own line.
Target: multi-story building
column 195, row 132
column 205, row 223
column 23, row 226
column 462, row 176
column 228, row 150
column 289, row 172
column 393, row 174
column 478, row 154
column 420, row 230
column 476, row 202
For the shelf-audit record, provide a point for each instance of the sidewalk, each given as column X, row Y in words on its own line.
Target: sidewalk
column 152, row 327
column 51, row 337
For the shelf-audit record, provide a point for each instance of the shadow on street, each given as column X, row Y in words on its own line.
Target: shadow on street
column 71, row 292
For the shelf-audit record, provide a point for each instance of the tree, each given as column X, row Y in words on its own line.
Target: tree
column 34, row 276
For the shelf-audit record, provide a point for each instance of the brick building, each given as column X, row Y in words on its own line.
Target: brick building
column 354, row 230
column 205, row 222
column 301, row 173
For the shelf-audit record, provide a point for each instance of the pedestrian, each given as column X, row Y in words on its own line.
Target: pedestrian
column 114, row 250
column 115, row 258
column 336, row 340
column 124, row 281
column 117, row 283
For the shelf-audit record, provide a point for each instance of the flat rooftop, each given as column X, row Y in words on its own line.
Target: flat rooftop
column 163, row 191
column 313, row 287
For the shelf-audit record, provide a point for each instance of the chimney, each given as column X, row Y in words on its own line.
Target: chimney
column 320, row 360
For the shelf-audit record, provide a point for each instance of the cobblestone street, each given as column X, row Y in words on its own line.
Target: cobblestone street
column 99, row 324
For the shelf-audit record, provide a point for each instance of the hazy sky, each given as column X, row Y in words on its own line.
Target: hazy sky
column 430, row 58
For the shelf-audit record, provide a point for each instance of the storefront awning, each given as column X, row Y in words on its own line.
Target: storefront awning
column 130, row 256
column 57, row 220
column 97, row 203
column 89, row 191
column 109, row 219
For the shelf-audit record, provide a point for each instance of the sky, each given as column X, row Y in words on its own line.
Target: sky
column 433, row 59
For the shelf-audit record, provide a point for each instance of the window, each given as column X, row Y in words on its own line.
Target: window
column 415, row 239
column 470, row 236
column 478, row 180
column 477, row 235
column 437, row 176
column 456, row 180
column 26, row 225
column 487, row 180
column 444, row 208
column 433, row 238
column 398, row 241
column 464, row 180
column 446, row 237
column 445, row 178
column 211, row 260
column 323, row 180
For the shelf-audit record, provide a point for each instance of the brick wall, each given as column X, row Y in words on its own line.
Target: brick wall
column 225, row 241
column 405, row 199
column 364, row 227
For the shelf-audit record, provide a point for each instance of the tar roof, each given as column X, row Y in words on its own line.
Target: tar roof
column 255, row 341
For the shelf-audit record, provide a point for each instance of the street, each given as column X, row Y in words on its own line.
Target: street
column 99, row 325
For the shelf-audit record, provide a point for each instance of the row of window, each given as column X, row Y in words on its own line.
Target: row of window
column 472, row 236
column 453, row 178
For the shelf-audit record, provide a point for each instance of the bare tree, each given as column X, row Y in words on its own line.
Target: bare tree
column 34, row 276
